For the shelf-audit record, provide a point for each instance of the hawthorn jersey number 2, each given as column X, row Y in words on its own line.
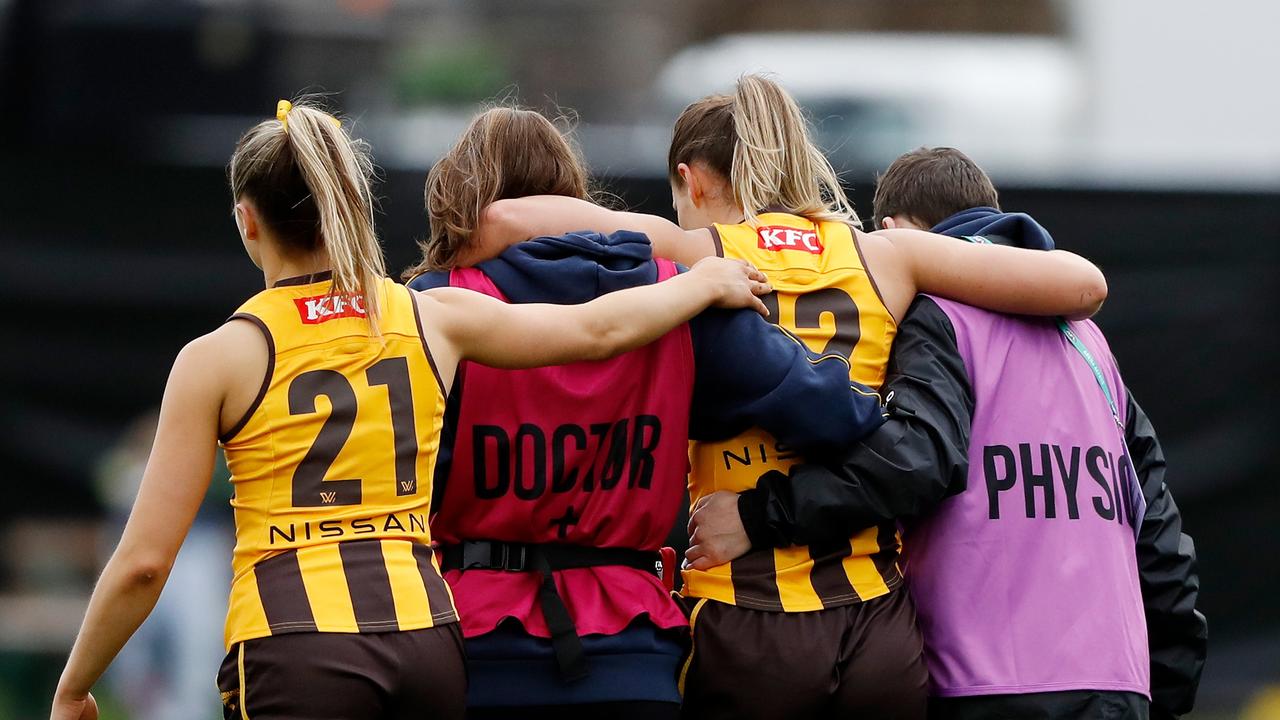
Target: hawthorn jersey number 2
column 807, row 315
column 310, row 488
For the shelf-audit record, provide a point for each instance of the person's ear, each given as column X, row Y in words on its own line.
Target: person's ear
column 246, row 216
column 250, row 227
column 692, row 180
column 888, row 223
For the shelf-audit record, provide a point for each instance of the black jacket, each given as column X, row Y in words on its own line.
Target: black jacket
column 919, row 457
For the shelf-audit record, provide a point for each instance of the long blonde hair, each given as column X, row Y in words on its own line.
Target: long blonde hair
column 758, row 139
column 310, row 182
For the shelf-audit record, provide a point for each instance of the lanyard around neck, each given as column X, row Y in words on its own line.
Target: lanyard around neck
column 1076, row 343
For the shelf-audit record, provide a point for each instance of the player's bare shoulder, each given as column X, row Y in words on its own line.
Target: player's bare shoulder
column 889, row 269
column 235, row 359
column 447, row 314
column 241, row 343
column 438, row 307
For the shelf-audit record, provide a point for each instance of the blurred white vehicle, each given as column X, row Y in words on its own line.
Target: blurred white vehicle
column 1012, row 102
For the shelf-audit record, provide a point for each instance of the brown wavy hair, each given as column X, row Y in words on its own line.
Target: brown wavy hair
column 505, row 152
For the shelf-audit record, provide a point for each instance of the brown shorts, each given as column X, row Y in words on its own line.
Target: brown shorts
column 416, row 674
column 857, row 661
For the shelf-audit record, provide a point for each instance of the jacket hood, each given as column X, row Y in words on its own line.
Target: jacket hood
column 572, row 268
column 1015, row 229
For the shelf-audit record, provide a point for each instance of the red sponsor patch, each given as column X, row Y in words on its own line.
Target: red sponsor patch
column 781, row 237
column 322, row 308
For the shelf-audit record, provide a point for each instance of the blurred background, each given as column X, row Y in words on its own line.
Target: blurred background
column 1143, row 134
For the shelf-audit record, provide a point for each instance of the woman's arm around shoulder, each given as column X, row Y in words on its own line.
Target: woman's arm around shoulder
column 464, row 325
column 995, row 277
column 507, row 222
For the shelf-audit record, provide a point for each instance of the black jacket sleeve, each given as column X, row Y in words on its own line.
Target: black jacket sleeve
column 918, row 458
column 749, row 373
column 1177, row 632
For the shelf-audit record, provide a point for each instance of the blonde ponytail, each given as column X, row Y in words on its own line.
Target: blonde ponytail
column 759, row 140
column 311, row 182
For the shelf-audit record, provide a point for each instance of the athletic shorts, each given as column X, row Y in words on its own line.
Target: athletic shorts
column 622, row 710
column 510, row 668
column 858, row 661
column 1069, row 705
column 418, row 674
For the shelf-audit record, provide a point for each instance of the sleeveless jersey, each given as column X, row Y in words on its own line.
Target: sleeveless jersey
column 823, row 295
column 332, row 469
column 589, row 453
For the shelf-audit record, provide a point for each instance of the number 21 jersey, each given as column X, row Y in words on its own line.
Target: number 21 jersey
column 332, row 469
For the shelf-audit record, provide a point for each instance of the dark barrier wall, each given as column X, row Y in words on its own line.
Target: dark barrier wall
column 107, row 271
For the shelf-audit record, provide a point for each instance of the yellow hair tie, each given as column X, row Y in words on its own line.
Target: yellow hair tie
column 282, row 114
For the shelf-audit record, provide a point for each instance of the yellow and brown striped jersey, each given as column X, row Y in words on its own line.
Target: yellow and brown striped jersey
column 332, row 469
column 823, row 295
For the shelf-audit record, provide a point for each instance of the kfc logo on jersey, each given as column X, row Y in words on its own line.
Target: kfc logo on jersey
column 774, row 237
column 322, row 308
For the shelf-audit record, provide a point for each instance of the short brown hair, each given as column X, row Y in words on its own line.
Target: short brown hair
column 930, row 185
column 504, row 153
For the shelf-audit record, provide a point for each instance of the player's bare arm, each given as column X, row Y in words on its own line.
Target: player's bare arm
column 995, row 277
column 471, row 326
column 510, row 221
column 173, row 485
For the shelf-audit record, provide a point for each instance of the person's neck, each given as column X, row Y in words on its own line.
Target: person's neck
column 725, row 214
column 280, row 267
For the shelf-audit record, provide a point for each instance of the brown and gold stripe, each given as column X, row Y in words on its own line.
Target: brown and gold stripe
column 283, row 595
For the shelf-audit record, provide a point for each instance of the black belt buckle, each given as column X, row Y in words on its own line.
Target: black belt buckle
column 515, row 557
column 475, row 556
column 493, row 555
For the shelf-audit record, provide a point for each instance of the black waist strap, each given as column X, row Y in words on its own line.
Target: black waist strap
column 544, row 558
column 524, row 557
